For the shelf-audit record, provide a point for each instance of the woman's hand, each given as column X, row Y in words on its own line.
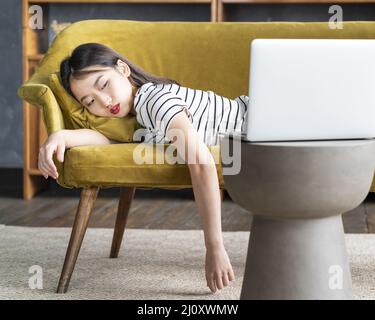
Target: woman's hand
column 54, row 143
column 219, row 271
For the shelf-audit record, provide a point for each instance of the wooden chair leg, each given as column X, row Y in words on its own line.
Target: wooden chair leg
column 85, row 206
column 222, row 194
column 126, row 197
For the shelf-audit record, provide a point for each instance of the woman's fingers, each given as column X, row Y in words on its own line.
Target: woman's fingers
column 43, row 170
column 231, row 275
column 219, row 281
column 41, row 166
column 45, row 162
column 211, row 283
column 48, row 159
column 60, row 152
column 225, row 279
column 46, row 171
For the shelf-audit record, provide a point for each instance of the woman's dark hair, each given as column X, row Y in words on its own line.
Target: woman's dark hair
column 90, row 54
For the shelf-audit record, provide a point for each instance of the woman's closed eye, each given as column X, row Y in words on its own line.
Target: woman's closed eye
column 105, row 85
column 92, row 101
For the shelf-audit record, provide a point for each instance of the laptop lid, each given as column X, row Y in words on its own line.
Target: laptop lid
column 311, row 89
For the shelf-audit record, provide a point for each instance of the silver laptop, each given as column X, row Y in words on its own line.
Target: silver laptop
column 311, row 89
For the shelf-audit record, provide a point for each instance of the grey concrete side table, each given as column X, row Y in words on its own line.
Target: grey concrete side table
column 297, row 192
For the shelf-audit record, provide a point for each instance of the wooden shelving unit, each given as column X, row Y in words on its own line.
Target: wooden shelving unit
column 221, row 4
column 35, row 43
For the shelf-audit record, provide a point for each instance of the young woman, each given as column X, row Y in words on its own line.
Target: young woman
column 109, row 85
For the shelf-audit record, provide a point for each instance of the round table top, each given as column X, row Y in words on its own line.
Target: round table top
column 308, row 143
column 321, row 143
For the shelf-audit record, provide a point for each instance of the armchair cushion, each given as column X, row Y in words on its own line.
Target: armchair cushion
column 76, row 116
column 111, row 165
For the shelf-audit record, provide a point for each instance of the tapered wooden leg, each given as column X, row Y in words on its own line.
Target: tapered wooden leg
column 85, row 206
column 126, row 197
column 222, row 194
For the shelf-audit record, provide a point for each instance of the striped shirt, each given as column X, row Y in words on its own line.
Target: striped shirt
column 210, row 114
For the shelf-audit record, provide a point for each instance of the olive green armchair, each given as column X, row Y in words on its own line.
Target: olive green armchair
column 202, row 55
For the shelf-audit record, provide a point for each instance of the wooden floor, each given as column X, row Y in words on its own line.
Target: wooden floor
column 151, row 209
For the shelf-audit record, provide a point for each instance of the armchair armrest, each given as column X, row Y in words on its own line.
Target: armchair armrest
column 42, row 96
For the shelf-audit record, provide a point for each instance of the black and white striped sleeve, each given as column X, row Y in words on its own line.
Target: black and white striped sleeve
column 162, row 108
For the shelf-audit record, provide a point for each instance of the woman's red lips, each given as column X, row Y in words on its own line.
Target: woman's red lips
column 115, row 109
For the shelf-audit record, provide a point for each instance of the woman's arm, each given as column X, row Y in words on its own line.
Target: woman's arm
column 203, row 175
column 82, row 137
column 60, row 140
column 207, row 196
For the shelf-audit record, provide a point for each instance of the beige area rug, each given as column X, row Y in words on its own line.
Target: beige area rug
column 153, row 264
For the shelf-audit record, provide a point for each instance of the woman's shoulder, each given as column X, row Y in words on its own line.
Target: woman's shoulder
column 147, row 91
column 163, row 87
column 144, row 87
column 160, row 88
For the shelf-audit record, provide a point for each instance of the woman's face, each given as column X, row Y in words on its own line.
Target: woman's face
column 106, row 93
